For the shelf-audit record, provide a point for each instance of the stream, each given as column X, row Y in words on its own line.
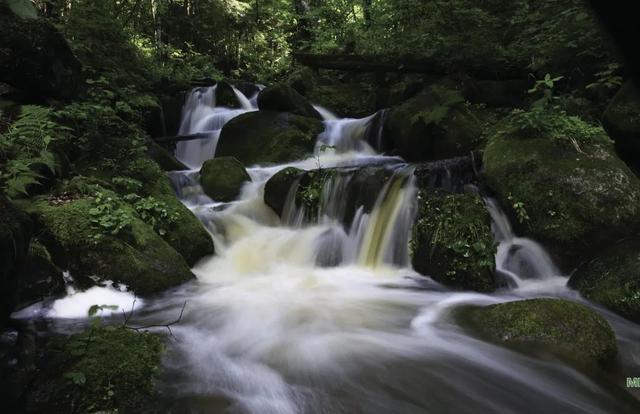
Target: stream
column 311, row 316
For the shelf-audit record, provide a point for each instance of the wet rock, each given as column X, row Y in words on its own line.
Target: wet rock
column 226, row 96
column 222, row 178
column 613, row 279
column 452, row 241
column 268, row 137
column 15, row 234
column 565, row 329
column 164, row 158
column 567, row 188
column 315, row 190
column 135, row 255
column 284, row 98
column 35, row 58
column 621, row 120
column 435, row 124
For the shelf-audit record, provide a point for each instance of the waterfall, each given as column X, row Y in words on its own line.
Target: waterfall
column 387, row 230
column 518, row 259
column 201, row 115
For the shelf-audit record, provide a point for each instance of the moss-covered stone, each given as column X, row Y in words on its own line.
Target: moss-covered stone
column 613, row 279
column 222, row 178
column 435, row 124
column 188, row 236
column 452, row 241
column 130, row 252
column 284, row 98
column 560, row 327
column 268, row 137
column 106, row 369
column 621, row 119
column 163, row 158
column 564, row 181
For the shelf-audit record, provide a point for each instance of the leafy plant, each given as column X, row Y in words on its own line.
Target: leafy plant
column 25, row 153
column 545, row 88
column 154, row 212
column 107, row 216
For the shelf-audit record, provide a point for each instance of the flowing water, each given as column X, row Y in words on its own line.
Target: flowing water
column 324, row 314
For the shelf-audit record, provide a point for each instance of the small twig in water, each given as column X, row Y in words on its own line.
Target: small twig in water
column 166, row 325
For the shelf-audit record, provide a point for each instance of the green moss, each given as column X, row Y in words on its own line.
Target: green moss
column 268, row 137
column 222, row 178
column 452, row 241
column 108, row 368
column 613, row 279
column 566, row 329
column 577, row 194
column 284, row 98
column 188, row 236
column 135, row 255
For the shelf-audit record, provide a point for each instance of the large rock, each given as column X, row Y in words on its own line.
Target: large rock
column 433, row 125
column 188, row 236
column 613, row 279
column 622, row 121
column 562, row 328
column 265, row 137
column 15, row 235
column 35, row 58
column 452, row 241
column 358, row 187
column 222, row 178
column 565, row 183
column 135, row 256
column 284, row 98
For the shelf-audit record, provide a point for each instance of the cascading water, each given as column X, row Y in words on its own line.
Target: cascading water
column 322, row 314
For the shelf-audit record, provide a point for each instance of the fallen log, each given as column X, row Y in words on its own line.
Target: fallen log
column 179, row 138
column 427, row 65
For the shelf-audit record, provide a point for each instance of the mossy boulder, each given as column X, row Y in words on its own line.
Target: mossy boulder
column 222, row 178
column 435, row 124
column 284, row 98
column 187, row 236
column 621, row 120
column 565, row 329
column 105, row 369
column 452, row 241
column 35, row 58
column 16, row 230
column 265, row 137
column 105, row 240
column 613, row 279
column 568, row 188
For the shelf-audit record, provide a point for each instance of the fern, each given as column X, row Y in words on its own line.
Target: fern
column 25, row 150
